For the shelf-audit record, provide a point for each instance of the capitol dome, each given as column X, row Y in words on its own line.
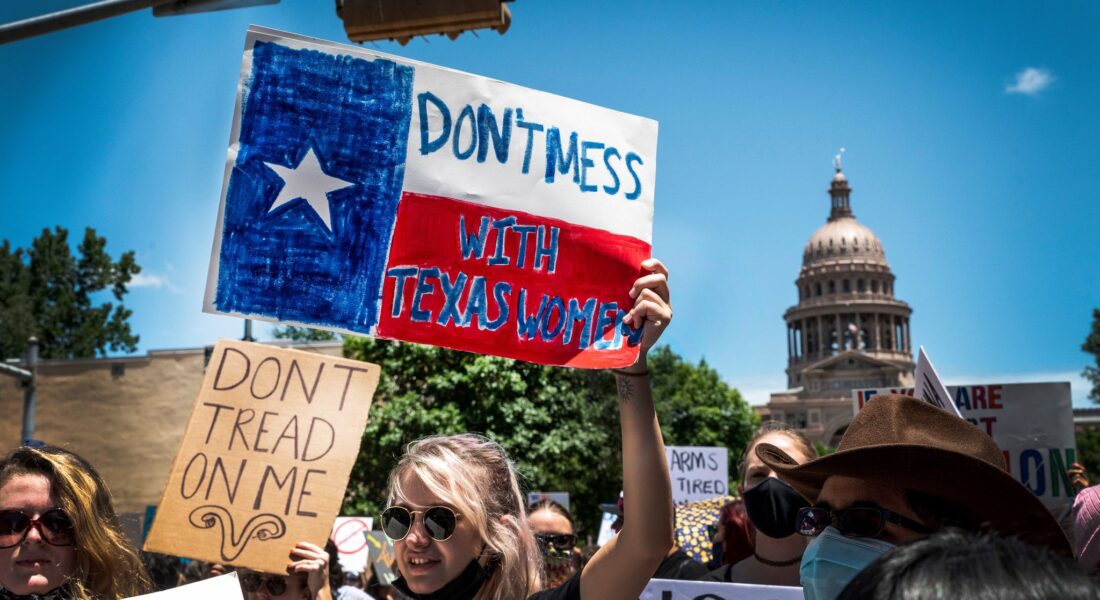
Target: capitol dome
column 848, row 330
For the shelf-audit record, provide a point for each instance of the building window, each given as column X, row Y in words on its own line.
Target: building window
column 874, row 286
column 832, row 287
column 859, row 286
column 847, row 286
column 817, row 288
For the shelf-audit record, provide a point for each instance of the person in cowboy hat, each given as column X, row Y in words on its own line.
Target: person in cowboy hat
column 903, row 470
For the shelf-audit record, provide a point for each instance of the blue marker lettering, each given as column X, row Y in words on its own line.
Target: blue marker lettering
column 476, row 303
column 545, row 330
column 452, row 293
column 531, row 129
column 586, row 163
column 486, row 126
column 473, row 244
column 423, row 289
column 467, row 113
column 630, row 157
column 555, row 160
column 501, row 225
column 500, row 293
column 607, row 154
column 579, row 312
column 528, row 325
column 426, row 146
column 548, row 251
column 603, row 323
column 400, row 274
column 523, row 231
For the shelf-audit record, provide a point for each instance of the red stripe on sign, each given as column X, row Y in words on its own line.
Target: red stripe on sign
column 509, row 283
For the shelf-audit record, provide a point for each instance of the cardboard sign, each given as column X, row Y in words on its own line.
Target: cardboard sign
column 381, row 557
column 929, row 386
column 266, row 456
column 698, row 472
column 668, row 589
column 222, row 587
column 370, row 194
column 1032, row 423
column 350, row 536
column 561, row 498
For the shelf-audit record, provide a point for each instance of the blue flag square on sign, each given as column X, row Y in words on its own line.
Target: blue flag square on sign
column 313, row 194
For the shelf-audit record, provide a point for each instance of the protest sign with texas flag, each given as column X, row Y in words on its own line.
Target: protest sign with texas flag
column 370, row 194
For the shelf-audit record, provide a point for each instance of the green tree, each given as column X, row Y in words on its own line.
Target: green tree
column 48, row 292
column 560, row 426
column 1092, row 346
column 303, row 334
column 1088, row 453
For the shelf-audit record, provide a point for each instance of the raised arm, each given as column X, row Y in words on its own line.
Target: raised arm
column 623, row 566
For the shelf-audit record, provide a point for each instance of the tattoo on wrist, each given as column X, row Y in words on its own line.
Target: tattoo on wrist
column 626, row 387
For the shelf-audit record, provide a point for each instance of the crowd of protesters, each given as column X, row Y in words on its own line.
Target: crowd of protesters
column 915, row 503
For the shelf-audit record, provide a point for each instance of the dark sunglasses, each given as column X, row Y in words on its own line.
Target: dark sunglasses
column 857, row 521
column 53, row 526
column 439, row 522
column 252, row 582
column 558, row 541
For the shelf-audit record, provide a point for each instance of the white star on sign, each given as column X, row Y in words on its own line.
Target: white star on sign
column 308, row 182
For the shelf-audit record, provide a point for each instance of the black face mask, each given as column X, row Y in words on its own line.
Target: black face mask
column 463, row 587
column 773, row 507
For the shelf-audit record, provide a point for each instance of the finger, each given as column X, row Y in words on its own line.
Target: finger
column 655, row 266
column 651, row 312
column 657, row 282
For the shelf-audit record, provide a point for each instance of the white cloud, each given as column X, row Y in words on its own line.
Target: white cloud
column 1031, row 81
column 146, row 279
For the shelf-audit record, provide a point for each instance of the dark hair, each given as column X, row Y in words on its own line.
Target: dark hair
column 773, row 426
column 335, row 571
column 957, row 564
column 553, row 506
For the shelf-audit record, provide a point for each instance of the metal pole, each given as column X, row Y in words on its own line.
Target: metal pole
column 29, row 390
column 248, row 331
column 64, row 19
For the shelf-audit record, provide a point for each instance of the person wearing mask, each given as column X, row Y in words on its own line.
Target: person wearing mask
column 457, row 515
column 60, row 538
column 554, row 531
column 903, row 470
column 772, row 506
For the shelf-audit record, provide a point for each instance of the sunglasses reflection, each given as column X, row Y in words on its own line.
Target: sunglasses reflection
column 263, row 586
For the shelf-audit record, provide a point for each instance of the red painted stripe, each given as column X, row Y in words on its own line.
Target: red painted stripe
column 591, row 264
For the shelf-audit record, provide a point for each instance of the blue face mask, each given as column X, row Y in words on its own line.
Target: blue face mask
column 832, row 560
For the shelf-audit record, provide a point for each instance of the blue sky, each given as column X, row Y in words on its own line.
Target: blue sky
column 981, row 184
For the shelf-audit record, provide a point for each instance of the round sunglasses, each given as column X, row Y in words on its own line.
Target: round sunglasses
column 252, row 582
column 438, row 521
column 856, row 521
column 53, row 526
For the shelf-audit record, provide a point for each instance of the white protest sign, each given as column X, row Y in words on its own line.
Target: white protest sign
column 1032, row 423
column 350, row 536
column 223, row 587
column 561, row 498
column 929, row 386
column 366, row 193
column 698, row 472
column 668, row 589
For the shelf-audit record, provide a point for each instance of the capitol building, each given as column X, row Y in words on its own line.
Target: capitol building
column 847, row 331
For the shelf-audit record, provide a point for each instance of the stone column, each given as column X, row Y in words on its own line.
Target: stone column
column 876, row 340
column 839, row 334
column 790, row 351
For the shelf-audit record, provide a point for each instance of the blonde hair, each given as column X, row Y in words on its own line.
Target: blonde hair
column 107, row 565
column 473, row 474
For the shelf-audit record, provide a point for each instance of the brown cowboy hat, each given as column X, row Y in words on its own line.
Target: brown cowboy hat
column 911, row 445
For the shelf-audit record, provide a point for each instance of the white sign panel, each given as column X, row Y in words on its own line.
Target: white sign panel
column 698, row 472
column 1032, row 423
column 668, row 589
column 930, row 387
column 223, row 587
column 350, row 536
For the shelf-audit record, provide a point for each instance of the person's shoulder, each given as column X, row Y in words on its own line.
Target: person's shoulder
column 723, row 574
column 570, row 590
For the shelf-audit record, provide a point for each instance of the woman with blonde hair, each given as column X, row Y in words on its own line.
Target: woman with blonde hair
column 59, row 535
column 456, row 511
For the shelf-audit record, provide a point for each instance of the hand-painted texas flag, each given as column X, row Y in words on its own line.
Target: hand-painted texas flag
column 370, row 194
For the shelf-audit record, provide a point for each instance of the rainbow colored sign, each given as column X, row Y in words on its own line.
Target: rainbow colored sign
column 370, row 194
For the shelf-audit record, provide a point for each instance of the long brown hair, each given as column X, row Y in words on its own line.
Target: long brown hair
column 473, row 474
column 107, row 565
